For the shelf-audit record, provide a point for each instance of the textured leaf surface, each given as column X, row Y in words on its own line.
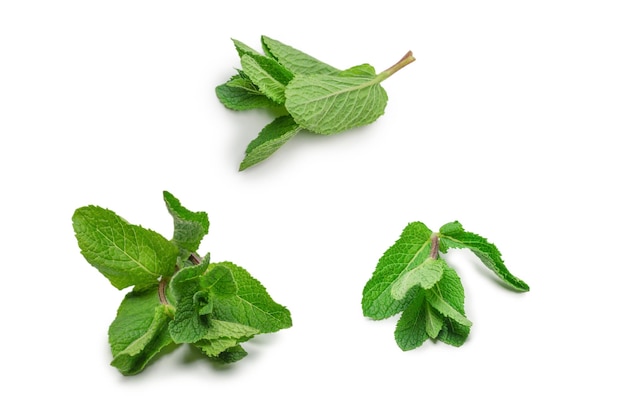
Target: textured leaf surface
column 219, row 281
column 410, row 330
column 266, row 73
column 454, row 236
column 261, row 75
column 408, row 252
column 191, row 321
column 223, row 335
column 295, row 60
column 270, row 139
column 139, row 331
column 331, row 103
column 126, row 254
column 252, row 305
column 425, row 275
column 189, row 227
column 240, row 93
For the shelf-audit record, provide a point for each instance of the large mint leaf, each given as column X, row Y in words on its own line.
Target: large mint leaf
column 139, row 331
column 295, row 60
column 270, row 139
column 191, row 320
column 408, row 252
column 189, row 227
column 331, row 103
column 252, row 305
column 127, row 255
column 453, row 235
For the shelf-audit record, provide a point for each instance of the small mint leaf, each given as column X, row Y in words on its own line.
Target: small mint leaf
column 189, row 227
column 139, row 331
column 269, row 140
column 453, row 235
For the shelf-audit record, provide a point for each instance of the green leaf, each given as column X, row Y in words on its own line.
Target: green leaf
column 232, row 354
column 139, row 331
column 240, row 93
column 252, row 305
column 270, row 139
column 222, row 336
column 424, row 275
column 331, row 103
column 294, row 60
column 454, row 236
column 453, row 333
column 266, row 73
column 408, row 252
column 189, row 227
column 433, row 320
column 410, row 330
column 127, row 255
column 438, row 302
column 262, row 76
column 191, row 320
column 219, row 281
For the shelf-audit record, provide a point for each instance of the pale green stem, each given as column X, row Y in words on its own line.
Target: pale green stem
column 406, row 60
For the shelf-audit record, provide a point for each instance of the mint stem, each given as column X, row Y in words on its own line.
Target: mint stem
column 195, row 259
column 434, row 249
column 162, row 286
column 406, row 60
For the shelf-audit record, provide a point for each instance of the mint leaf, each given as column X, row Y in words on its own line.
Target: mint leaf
column 220, row 282
column 409, row 251
column 178, row 296
column 252, row 305
column 232, row 354
column 454, row 236
column 127, row 255
column 240, row 93
column 223, row 335
column 266, row 73
column 189, row 227
column 191, row 320
column 317, row 96
column 411, row 278
column 139, row 331
column 270, row 139
column 411, row 327
column 295, row 60
column 426, row 275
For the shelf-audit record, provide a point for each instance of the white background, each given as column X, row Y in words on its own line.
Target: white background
column 510, row 121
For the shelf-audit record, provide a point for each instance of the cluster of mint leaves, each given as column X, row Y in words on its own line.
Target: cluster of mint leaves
column 307, row 93
column 177, row 296
column 411, row 278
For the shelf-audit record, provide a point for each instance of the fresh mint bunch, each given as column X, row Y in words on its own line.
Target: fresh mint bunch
column 307, row 93
column 411, row 278
column 177, row 296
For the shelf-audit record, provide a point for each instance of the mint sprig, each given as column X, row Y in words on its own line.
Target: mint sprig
column 308, row 93
column 178, row 296
column 413, row 279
